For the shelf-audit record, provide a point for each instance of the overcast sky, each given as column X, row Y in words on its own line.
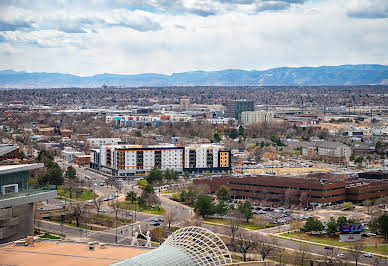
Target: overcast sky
column 87, row 37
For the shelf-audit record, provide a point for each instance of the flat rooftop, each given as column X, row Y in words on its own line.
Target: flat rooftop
column 65, row 253
column 7, row 169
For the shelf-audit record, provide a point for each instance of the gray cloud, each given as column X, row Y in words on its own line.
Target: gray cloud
column 14, row 25
column 371, row 9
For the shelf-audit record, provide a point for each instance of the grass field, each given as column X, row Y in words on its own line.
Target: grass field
column 334, row 241
column 245, row 225
column 127, row 205
column 49, row 236
column 83, row 196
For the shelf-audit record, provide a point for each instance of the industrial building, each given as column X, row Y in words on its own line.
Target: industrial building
column 129, row 160
column 314, row 189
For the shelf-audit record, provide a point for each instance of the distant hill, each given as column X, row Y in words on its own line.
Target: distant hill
column 284, row 76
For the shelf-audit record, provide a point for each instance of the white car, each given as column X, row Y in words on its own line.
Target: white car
column 368, row 255
column 340, row 255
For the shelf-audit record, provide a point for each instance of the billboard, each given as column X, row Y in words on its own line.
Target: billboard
column 351, row 228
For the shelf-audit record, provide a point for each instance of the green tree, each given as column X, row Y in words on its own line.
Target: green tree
column 245, row 209
column 221, row 208
column 154, row 176
column 22, row 155
column 382, row 222
column 241, row 131
column 131, row 196
column 45, row 156
column 313, row 225
column 233, row 134
column 186, row 175
column 217, row 137
column 223, row 194
column 71, row 173
column 204, row 205
column 332, row 227
column 342, row 220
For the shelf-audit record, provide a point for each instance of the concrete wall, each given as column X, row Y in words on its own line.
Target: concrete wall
column 17, row 222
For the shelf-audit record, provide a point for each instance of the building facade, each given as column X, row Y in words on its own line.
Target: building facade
column 235, row 108
column 17, row 200
column 305, row 190
column 252, row 117
column 129, row 160
column 327, row 150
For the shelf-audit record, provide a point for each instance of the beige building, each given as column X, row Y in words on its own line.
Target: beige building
column 257, row 117
column 327, row 150
column 184, row 103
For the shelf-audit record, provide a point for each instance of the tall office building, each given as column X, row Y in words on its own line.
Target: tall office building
column 236, row 107
column 257, row 117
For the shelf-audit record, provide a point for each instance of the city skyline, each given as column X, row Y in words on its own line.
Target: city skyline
column 132, row 37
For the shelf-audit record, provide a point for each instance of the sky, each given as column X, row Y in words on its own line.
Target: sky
column 167, row 36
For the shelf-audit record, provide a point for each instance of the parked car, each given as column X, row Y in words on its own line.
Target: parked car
column 155, row 223
column 328, row 247
column 368, row 255
column 340, row 255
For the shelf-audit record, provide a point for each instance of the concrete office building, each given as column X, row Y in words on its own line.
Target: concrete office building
column 257, row 117
column 328, row 151
column 129, row 160
column 17, row 201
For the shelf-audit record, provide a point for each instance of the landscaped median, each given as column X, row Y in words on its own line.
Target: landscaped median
column 83, row 195
column 126, row 205
column 244, row 225
column 319, row 240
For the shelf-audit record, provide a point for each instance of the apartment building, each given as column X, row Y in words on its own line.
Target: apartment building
column 252, row 117
column 129, row 160
column 235, row 108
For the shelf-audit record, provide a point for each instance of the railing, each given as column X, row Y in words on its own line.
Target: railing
column 27, row 192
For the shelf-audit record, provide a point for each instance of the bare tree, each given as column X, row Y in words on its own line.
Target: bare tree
column 116, row 208
column 245, row 243
column 78, row 211
column 170, row 217
column 355, row 251
column 97, row 204
column 302, row 254
column 234, row 222
column 265, row 246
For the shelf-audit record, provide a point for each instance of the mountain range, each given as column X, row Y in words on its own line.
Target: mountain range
column 283, row 76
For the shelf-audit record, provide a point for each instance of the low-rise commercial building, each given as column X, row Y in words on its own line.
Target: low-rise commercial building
column 310, row 189
column 327, row 150
column 96, row 142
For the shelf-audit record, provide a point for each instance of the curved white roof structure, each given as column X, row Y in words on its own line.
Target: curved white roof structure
column 190, row 245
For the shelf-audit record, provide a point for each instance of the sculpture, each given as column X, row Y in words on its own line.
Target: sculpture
column 147, row 237
column 134, row 238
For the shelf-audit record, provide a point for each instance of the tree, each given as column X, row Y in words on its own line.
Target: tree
column 382, row 225
column 71, row 173
column 131, row 196
column 170, row 217
column 265, row 246
column 217, row 137
column 302, row 254
column 342, row 220
column 332, row 227
column 22, row 155
column 245, row 209
column 53, row 176
column 234, row 222
column 154, row 176
column 77, row 210
column 97, row 203
column 347, row 205
column 355, row 251
column 44, row 156
column 186, row 175
column 241, row 131
column 223, row 193
column 245, row 243
column 313, row 225
column 116, row 208
column 204, row 205
column 221, row 207
column 233, row 133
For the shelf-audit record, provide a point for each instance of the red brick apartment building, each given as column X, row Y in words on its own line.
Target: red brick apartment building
column 302, row 189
